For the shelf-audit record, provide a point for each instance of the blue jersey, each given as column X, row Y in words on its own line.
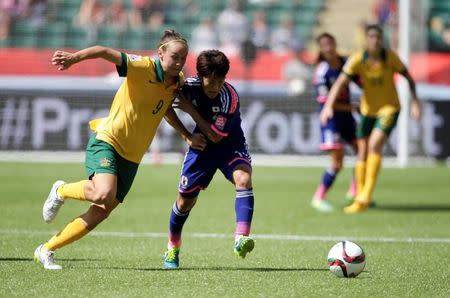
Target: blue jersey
column 221, row 112
column 324, row 78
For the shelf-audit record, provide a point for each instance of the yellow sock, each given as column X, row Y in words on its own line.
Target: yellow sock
column 72, row 232
column 373, row 167
column 360, row 175
column 73, row 190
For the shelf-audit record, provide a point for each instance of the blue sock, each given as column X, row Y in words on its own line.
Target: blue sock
column 327, row 180
column 244, row 211
column 328, row 177
column 177, row 220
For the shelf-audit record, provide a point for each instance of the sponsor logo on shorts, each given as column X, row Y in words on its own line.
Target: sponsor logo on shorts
column 105, row 162
column 216, row 109
column 184, row 181
column 220, row 122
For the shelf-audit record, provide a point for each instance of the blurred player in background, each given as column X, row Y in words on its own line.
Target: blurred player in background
column 380, row 108
column 120, row 140
column 214, row 106
column 340, row 128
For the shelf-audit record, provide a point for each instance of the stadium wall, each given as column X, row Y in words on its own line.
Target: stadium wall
column 51, row 113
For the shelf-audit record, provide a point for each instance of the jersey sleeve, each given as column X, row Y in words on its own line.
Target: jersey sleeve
column 320, row 83
column 396, row 64
column 351, row 67
column 131, row 64
column 228, row 113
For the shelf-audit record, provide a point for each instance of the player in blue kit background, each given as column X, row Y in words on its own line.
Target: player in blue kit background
column 338, row 130
column 214, row 106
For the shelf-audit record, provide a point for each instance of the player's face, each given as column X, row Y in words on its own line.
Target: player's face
column 327, row 47
column 212, row 85
column 173, row 58
column 374, row 40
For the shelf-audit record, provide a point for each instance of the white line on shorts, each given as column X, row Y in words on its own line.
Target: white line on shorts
column 255, row 236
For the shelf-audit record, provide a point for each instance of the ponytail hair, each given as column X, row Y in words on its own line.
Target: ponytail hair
column 168, row 36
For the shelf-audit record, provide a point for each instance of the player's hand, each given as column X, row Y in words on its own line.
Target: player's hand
column 182, row 103
column 63, row 60
column 327, row 113
column 416, row 111
column 197, row 141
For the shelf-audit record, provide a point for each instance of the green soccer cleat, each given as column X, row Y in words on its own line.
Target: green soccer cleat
column 243, row 245
column 322, row 205
column 349, row 197
column 171, row 259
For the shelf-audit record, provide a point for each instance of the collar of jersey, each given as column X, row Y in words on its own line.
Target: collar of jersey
column 159, row 71
column 383, row 55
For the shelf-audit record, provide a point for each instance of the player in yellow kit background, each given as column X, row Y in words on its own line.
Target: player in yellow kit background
column 380, row 108
column 120, row 140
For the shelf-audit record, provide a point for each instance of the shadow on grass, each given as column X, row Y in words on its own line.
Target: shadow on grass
column 255, row 269
column 414, row 208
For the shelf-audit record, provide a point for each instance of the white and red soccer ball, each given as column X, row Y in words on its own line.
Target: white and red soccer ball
column 346, row 259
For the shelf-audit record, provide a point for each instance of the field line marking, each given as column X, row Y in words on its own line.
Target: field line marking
column 255, row 236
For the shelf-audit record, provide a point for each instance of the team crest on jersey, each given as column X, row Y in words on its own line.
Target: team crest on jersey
column 220, row 122
column 135, row 58
column 184, row 181
column 105, row 162
column 216, row 109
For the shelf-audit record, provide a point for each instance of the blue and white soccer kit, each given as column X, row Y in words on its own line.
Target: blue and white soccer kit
column 224, row 116
column 341, row 128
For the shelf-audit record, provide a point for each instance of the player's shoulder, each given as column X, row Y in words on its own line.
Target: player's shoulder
column 357, row 56
column 229, row 98
column 391, row 54
column 322, row 69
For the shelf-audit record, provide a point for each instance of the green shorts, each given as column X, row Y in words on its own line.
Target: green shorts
column 385, row 123
column 101, row 157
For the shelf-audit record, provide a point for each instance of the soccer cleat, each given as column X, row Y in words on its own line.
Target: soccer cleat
column 53, row 203
column 171, row 258
column 356, row 207
column 349, row 197
column 243, row 245
column 322, row 205
column 45, row 257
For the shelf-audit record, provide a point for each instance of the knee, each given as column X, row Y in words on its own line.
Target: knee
column 337, row 166
column 243, row 180
column 103, row 196
column 185, row 204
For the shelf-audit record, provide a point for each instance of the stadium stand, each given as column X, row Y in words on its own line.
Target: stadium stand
column 60, row 30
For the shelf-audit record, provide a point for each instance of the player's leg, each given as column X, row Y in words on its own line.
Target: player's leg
column 196, row 174
column 109, row 190
column 101, row 159
column 328, row 178
column 73, row 231
column 244, row 203
column 378, row 137
column 352, row 189
column 331, row 141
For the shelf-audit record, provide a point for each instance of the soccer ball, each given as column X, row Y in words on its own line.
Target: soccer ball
column 346, row 259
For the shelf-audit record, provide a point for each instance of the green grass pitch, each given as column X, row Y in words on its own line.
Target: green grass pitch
column 412, row 203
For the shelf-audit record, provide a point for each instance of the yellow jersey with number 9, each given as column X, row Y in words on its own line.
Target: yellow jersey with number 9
column 138, row 107
column 377, row 77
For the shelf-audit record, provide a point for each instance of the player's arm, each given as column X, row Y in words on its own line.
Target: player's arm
column 415, row 104
column 183, row 103
column 336, row 89
column 63, row 60
column 195, row 141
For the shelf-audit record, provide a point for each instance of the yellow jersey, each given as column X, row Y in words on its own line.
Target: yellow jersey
column 377, row 77
column 138, row 107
